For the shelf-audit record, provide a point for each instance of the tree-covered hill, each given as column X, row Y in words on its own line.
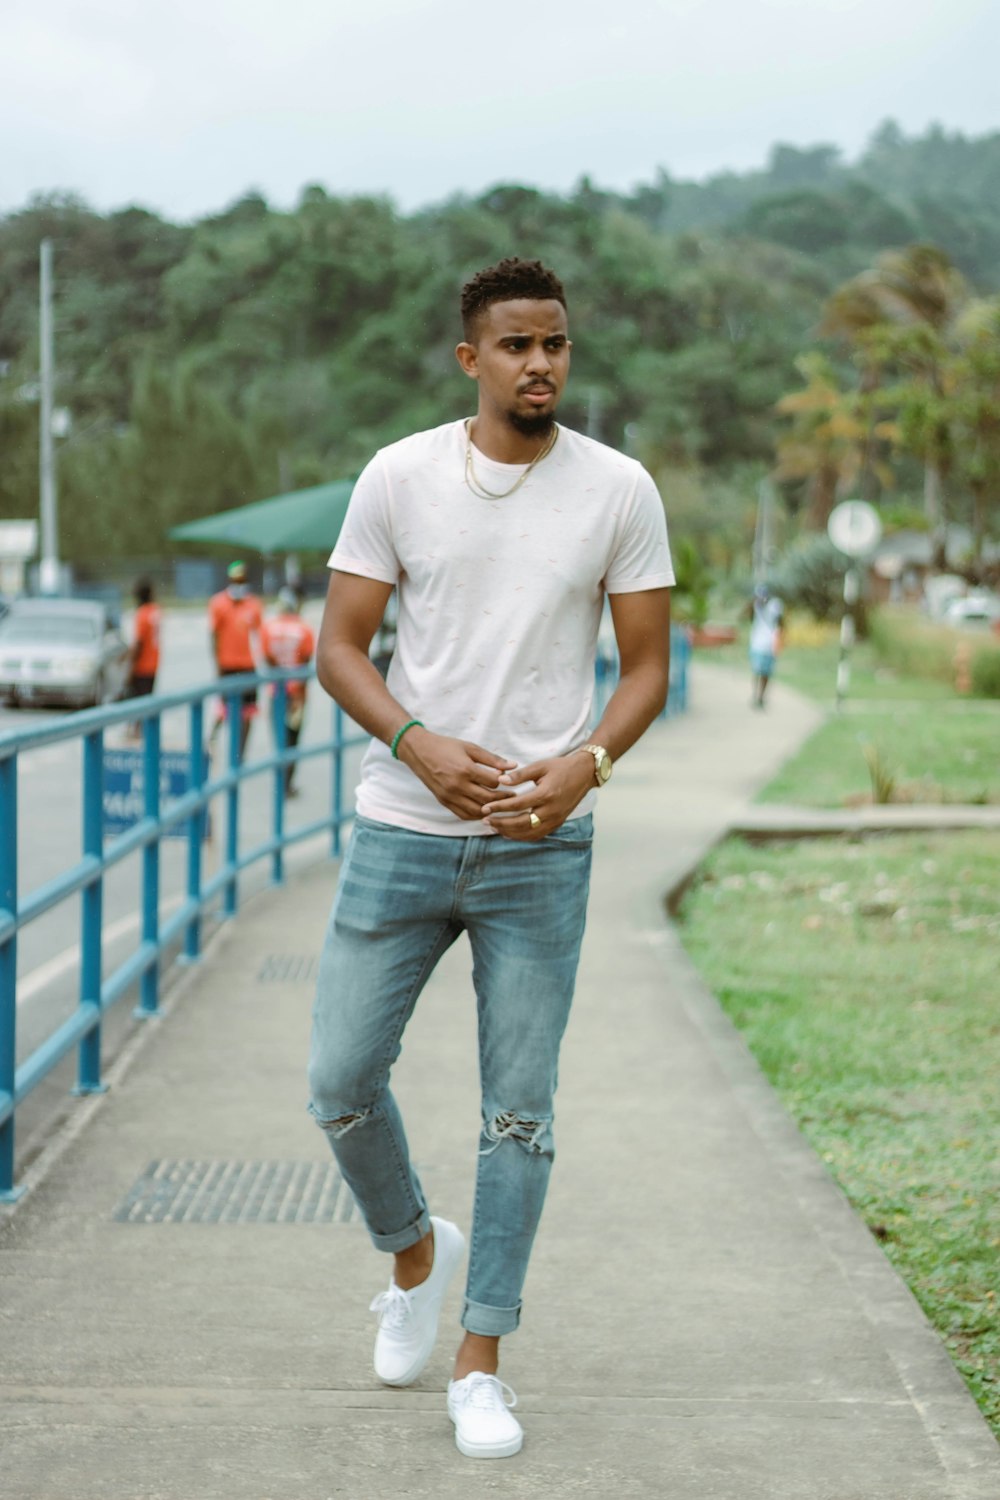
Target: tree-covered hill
column 210, row 364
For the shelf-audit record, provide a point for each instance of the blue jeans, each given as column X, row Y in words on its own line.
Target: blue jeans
column 402, row 900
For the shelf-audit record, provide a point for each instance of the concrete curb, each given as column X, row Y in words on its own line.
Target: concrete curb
column 780, row 821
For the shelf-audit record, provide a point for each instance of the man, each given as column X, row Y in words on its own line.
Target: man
column 234, row 619
column 766, row 617
column 502, row 536
column 144, row 652
column 287, row 641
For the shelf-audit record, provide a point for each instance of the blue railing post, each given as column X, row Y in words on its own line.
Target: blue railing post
column 338, row 775
column 196, row 824
column 234, row 724
column 680, row 656
column 8, row 972
column 150, row 984
column 278, row 706
column 88, row 1078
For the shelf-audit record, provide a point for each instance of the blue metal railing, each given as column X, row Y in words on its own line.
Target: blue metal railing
column 98, row 855
column 680, row 656
column 186, row 812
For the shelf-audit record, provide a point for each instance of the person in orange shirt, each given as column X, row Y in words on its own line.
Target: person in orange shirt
column 144, row 652
column 234, row 619
column 287, row 641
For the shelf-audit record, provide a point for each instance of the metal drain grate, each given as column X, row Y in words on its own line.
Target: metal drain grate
column 290, row 968
column 239, row 1192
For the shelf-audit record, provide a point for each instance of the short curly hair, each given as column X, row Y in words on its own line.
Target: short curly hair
column 507, row 281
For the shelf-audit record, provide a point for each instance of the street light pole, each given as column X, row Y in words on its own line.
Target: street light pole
column 48, row 577
column 855, row 529
column 852, row 591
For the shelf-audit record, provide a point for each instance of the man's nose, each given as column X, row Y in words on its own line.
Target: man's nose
column 539, row 361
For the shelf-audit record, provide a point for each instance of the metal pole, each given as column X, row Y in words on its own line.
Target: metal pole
column 48, row 576
column 852, row 589
column 234, row 722
column 150, row 983
column 8, row 972
column 92, row 908
column 278, row 706
column 762, row 542
column 196, row 825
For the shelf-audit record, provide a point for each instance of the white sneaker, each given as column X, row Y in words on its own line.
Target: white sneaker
column 408, row 1321
column 480, row 1407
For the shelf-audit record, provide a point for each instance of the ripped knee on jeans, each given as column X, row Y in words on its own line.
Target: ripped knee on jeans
column 341, row 1124
column 509, row 1125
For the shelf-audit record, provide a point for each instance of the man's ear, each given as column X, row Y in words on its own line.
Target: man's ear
column 468, row 357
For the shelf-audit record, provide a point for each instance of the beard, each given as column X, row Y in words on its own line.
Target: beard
column 531, row 424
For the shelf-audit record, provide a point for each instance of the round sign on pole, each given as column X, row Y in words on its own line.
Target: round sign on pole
column 854, row 528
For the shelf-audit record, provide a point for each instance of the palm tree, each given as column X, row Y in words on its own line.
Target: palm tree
column 973, row 378
column 829, row 441
column 903, row 313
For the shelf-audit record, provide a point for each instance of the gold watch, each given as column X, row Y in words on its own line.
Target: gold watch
column 602, row 763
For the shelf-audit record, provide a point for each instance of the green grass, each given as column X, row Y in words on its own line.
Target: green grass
column 864, row 978
column 812, row 670
column 934, row 752
column 936, row 745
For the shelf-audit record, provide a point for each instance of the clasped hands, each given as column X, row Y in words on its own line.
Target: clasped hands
column 475, row 784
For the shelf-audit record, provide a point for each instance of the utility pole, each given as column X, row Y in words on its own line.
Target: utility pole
column 763, row 541
column 48, row 574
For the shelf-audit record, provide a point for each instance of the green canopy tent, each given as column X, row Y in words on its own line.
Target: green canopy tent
column 303, row 521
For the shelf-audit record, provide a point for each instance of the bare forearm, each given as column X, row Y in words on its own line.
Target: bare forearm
column 632, row 707
column 352, row 680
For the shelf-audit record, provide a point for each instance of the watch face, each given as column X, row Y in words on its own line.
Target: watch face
column 603, row 765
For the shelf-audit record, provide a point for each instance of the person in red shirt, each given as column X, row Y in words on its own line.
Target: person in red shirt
column 144, row 652
column 234, row 619
column 287, row 641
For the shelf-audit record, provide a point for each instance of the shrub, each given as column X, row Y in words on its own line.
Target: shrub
column 694, row 581
column 811, row 575
column 986, row 673
column 927, row 648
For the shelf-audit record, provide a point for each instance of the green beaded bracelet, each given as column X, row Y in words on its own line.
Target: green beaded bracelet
column 410, row 724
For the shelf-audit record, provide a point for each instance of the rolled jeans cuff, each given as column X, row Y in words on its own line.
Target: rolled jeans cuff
column 491, row 1322
column 403, row 1238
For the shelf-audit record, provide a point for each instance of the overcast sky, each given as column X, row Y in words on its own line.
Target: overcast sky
column 184, row 106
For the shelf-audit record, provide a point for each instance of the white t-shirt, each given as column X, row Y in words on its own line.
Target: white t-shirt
column 767, row 617
column 499, row 601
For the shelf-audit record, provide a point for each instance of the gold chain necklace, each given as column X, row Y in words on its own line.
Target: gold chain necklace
column 475, row 484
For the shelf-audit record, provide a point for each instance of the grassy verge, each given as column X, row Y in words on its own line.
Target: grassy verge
column 932, row 744
column 863, row 976
column 811, row 668
column 928, row 752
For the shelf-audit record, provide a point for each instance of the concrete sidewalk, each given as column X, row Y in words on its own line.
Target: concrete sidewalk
column 705, row 1318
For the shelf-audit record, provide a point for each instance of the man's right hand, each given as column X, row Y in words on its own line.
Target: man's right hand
column 462, row 775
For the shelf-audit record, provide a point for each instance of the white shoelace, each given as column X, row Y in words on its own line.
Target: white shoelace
column 487, row 1392
column 393, row 1308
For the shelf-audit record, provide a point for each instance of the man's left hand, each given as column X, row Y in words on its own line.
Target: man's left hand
column 561, row 783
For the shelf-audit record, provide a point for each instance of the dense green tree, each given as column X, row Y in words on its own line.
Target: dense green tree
column 258, row 349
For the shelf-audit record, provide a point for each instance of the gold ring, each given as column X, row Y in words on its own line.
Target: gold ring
column 534, row 820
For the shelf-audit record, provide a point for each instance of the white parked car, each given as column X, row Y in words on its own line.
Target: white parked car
column 64, row 651
column 980, row 608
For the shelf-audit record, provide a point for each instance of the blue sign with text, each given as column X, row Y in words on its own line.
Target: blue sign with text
column 124, row 788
